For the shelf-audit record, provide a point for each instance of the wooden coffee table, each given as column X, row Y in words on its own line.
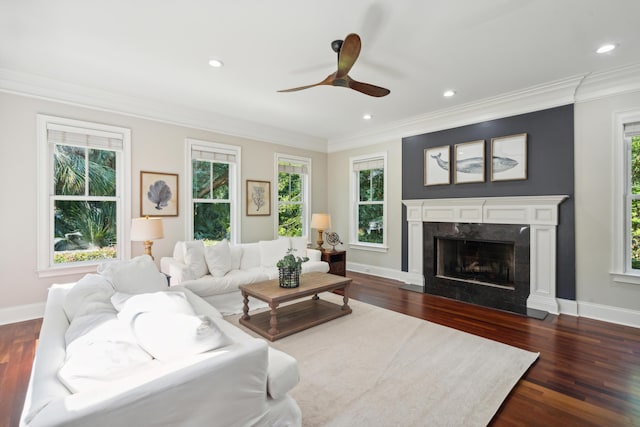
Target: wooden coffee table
column 289, row 319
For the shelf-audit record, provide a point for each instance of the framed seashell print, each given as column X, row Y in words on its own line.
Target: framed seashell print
column 158, row 194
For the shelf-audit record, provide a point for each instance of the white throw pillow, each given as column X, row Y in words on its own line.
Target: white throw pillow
column 299, row 246
column 89, row 295
column 194, row 258
column 272, row 251
column 250, row 256
column 218, row 258
column 172, row 336
column 137, row 276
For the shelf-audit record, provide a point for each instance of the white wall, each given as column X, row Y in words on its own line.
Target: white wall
column 594, row 185
column 339, row 204
column 155, row 147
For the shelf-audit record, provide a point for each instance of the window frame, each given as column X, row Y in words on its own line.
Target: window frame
column 621, row 270
column 46, row 223
column 354, row 202
column 234, row 184
column 306, row 193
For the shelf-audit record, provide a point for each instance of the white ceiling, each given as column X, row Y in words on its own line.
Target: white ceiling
column 157, row 51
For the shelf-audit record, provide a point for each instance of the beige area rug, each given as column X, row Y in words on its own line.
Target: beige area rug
column 376, row 367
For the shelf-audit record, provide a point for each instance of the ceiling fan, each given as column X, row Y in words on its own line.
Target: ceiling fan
column 348, row 51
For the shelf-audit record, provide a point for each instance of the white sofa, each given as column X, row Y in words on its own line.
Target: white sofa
column 241, row 381
column 215, row 272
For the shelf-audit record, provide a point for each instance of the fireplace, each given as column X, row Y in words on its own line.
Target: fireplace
column 484, row 264
column 476, row 261
column 536, row 215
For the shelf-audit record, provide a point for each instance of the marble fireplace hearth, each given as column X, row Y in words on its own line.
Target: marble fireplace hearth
column 538, row 214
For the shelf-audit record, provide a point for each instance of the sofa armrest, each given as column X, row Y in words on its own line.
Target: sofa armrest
column 313, row 254
column 283, row 374
column 178, row 271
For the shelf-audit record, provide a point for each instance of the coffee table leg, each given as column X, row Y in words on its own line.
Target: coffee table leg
column 315, row 297
column 345, row 298
column 245, row 307
column 273, row 322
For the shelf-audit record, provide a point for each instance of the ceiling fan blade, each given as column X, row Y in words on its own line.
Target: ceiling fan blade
column 328, row 81
column 368, row 89
column 348, row 54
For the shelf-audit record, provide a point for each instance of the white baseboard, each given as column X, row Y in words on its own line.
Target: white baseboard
column 388, row 273
column 21, row 313
column 606, row 313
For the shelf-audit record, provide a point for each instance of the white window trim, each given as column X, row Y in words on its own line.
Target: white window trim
column 234, row 187
column 621, row 236
column 306, row 193
column 45, row 223
column 353, row 203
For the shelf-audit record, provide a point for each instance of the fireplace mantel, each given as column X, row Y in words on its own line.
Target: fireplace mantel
column 539, row 212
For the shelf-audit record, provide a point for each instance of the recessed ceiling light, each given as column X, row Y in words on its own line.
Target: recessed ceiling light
column 606, row 48
column 216, row 63
column 367, row 117
column 448, row 93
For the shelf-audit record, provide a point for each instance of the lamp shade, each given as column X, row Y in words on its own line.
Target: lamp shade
column 143, row 229
column 321, row 221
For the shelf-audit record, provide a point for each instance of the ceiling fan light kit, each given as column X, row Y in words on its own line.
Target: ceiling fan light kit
column 348, row 51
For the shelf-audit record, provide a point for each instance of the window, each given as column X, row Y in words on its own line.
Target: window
column 293, row 195
column 213, row 208
column 368, row 202
column 83, row 182
column 626, row 198
column 632, row 207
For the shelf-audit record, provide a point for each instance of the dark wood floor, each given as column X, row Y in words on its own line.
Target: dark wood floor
column 588, row 372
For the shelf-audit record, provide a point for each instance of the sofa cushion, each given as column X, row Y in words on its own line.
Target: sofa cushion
column 208, row 285
column 236, row 256
column 136, row 276
column 129, row 306
column 194, row 258
column 299, row 246
column 250, row 256
column 170, row 336
column 271, row 251
column 218, row 258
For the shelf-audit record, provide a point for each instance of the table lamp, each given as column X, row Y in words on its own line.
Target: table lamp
column 321, row 222
column 145, row 230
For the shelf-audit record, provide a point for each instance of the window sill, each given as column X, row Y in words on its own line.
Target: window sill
column 630, row 278
column 67, row 270
column 370, row 248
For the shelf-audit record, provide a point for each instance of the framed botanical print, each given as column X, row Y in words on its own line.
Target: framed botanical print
column 158, row 194
column 258, row 198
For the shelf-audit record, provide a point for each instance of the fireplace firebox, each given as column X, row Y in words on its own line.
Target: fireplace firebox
column 476, row 261
column 484, row 264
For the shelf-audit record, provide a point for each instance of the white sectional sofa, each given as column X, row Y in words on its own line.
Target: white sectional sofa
column 175, row 362
column 215, row 272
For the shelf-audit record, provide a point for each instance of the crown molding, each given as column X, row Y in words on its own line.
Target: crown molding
column 535, row 98
column 68, row 93
column 608, row 83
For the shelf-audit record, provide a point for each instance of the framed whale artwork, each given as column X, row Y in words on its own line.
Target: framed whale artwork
column 509, row 157
column 469, row 161
column 436, row 165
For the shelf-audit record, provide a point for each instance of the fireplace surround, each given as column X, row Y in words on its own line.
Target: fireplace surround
column 539, row 213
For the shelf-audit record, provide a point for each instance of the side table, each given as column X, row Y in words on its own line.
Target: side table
column 337, row 261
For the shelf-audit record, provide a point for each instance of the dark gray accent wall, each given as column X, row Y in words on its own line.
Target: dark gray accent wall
column 550, row 171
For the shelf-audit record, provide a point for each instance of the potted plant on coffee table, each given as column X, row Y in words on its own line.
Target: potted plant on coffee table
column 289, row 268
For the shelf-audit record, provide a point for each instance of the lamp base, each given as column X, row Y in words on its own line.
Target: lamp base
column 147, row 248
column 320, row 241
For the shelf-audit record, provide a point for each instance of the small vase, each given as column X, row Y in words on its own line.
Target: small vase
column 289, row 277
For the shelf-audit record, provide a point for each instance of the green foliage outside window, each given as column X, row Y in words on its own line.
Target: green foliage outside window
column 635, row 204
column 211, row 207
column 84, row 227
column 370, row 206
column 290, row 204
